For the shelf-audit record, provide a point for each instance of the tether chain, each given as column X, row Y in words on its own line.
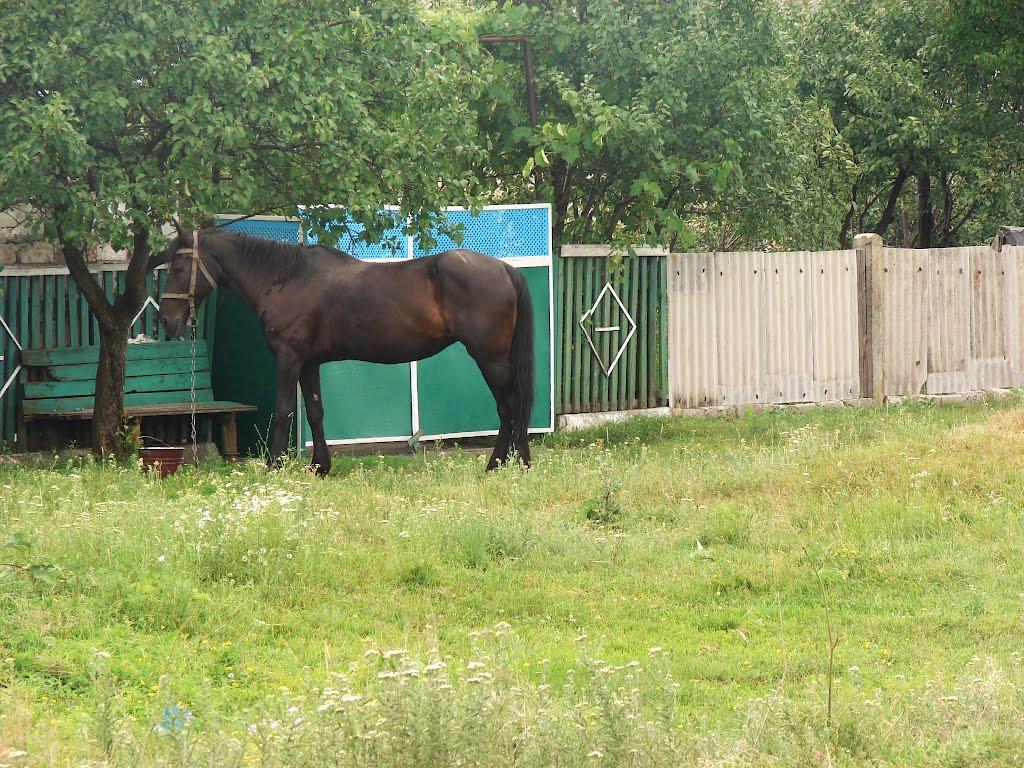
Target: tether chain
column 195, row 444
column 193, row 318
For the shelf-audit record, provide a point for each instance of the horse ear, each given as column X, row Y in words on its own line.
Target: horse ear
column 177, row 228
column 159, row 258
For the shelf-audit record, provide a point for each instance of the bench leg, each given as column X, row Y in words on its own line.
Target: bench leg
column 229, row 436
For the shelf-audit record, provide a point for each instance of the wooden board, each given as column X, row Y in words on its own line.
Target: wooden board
column 156, row 366
column 79, row 355
column 167, row 382
column 171, row 409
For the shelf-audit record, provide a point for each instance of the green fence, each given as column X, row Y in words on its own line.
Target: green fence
column 42, row 307
column 622, row 306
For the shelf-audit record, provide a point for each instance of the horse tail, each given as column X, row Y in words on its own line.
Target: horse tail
column 521, row 357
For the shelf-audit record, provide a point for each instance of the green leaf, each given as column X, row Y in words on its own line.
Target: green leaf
column 46, row 574
column 17, row 541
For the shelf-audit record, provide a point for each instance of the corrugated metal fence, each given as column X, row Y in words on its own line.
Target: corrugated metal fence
column 42, row 307
column 696, row 329
column 951, row 320
column 749, row 328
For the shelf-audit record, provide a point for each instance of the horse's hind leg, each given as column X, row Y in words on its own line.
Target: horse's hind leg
column 498, row 375
column 284, row 406
column 309, row 379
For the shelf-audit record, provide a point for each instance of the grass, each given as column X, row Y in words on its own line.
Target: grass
column 653, row 593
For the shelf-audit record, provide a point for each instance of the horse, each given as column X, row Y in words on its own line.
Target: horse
column 318, row 304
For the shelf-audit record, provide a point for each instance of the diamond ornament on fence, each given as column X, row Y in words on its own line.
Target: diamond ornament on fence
column 607, row 305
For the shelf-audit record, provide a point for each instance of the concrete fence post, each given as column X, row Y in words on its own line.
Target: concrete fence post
column 870, row 315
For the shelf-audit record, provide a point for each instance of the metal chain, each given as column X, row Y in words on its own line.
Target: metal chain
column 192, row 393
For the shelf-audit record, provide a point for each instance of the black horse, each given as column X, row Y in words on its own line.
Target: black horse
column 317, row 304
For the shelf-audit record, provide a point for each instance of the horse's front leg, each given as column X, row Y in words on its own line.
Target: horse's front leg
column 309, row 379
column 288, row 367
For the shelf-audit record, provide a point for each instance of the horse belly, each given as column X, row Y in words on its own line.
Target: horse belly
column 399, row 336
column 395, row 350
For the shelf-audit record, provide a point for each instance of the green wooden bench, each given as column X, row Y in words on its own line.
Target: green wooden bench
column 60, row 385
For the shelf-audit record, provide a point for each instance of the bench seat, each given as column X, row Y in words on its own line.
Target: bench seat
column 60, row 385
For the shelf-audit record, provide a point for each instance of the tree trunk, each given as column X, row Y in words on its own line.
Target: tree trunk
column 114, row 322
column 889, row 213
column 108, row 415
column 559, row 175
column 925, row 215
column 947, row 211
column 844, row 231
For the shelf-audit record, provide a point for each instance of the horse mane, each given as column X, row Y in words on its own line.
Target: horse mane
column 270, row 257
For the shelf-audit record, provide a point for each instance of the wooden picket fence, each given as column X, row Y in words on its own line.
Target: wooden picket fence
column 639, row 376
column 43, row 308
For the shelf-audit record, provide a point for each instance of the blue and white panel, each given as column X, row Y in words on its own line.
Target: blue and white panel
column 284, row 230
column 505, row 232
column 394, row 244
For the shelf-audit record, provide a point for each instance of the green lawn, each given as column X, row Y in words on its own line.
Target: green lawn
column 713, row 552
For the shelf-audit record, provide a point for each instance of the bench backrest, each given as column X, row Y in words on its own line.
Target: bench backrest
column 157, row 373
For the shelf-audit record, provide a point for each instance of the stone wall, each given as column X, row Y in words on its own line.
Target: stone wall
column 20, row 246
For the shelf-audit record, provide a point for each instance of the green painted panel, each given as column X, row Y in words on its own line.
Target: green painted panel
column 84, row 371
column 156, row 383
column 364, row 400
column 78, row 355
column 66, row 404
column 244, row 369
column 453, row 396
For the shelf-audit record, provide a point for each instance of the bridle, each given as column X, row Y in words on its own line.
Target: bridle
column 197, row 267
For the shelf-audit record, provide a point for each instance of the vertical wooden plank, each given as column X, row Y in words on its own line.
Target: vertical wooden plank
column 662, row 269
column 84, row 318
column 630, row 362
column 579, row 287
column 7, row 366
column 604, row 341
column 566, row 275
column 63, row 329
column 651, row 335
column 871, row 314
column 74, row 330
column 27, row 336
column 587, row 298
column 624, row 372
column 596, row 372
column 94, row 325
column 109, row 285
column 643, row 328
column 36, row 318
column 12, row 296
column 573, row 338
column 640, row 372
column 49, row 318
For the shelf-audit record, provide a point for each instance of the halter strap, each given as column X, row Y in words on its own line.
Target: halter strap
column 197, row 267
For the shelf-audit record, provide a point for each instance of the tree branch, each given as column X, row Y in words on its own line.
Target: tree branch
column 74, row 258
column 889, row 211
column 129, row 302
